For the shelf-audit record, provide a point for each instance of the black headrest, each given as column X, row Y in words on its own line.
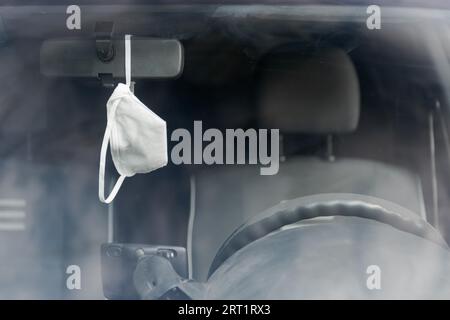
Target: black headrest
column 309, row 92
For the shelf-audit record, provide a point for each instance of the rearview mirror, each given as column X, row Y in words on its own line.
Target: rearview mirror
column 150, row 58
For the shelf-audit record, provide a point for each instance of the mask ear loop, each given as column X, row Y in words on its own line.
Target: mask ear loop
column 101, row 171
column 107, row 136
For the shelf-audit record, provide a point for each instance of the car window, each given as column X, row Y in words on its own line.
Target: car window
column 211, row 116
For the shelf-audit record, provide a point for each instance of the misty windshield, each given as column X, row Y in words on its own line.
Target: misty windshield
column 270, row 103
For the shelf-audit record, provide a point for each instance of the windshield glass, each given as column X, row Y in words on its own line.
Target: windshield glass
column 251, row 105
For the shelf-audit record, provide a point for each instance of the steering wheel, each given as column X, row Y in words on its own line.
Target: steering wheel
column 323, row 205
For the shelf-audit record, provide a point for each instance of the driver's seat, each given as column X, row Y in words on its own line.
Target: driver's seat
column 312, row 94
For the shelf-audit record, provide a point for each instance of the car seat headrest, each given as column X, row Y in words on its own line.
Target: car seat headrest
column 316, row 93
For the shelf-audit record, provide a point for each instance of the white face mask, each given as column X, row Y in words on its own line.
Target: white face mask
column 137, row 138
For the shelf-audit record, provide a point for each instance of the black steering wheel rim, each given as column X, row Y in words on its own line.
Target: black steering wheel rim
column 323, row 205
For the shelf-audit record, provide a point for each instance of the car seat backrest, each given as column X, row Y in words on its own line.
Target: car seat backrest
column 314, row 93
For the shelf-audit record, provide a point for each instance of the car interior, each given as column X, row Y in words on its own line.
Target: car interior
column 360, row 112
